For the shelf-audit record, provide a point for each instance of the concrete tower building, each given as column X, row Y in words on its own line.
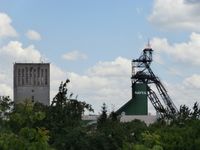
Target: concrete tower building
column 32, row 81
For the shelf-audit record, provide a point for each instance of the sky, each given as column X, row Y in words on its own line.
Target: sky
column 92, row 43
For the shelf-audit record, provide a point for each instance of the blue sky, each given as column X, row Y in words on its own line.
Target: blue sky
column 92, row 42
column 101, row 29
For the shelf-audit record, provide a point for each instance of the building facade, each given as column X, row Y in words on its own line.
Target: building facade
column 138, row 105
column 32, row 82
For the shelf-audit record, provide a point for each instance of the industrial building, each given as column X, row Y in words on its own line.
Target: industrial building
column 32, row 82
column 138, row 105
column 143, row 79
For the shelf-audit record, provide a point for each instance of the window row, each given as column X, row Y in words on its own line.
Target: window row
column 32, row 76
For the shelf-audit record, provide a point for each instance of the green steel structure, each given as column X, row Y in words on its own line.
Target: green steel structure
column 138, row 105
column 142, row 79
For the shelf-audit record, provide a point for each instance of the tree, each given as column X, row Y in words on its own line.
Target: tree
column 26, row 139
column 6, row 106
column 21, row 131
column 103, row 117
column 24, row 115
column 151, row 139
column 196, row 111
column 134, row 129
column 184, row 113
column 64, row 110
column 64, row 119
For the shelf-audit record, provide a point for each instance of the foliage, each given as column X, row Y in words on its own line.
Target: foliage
column 26, row 139
column 5, row 106
column 33, row 126
column 103, row 117
column 24, row 115
column 65, row 110
column 150, row 139
column 63, row 119
column 196, row 111
column 134, row 129
column 20, row 129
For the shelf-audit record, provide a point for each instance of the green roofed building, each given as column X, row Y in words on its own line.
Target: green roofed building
column 138, row 105
column 142, row 78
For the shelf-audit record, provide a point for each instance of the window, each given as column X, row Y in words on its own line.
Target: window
column 46, row 77
column 26, row 75
column 31, row 68
column 18, row 77
column 38, row 72
column 42, row 78
column 33, row 98
column 38, row 76
column 23, row 76
column 34, row 76
column 31, row 74
column 42, row 72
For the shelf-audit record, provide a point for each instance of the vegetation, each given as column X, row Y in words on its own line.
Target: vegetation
column 33, row 126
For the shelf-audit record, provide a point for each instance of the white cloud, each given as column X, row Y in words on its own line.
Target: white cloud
column 119, row 67
column 176, row 14
column 107, row 82
column 175, row 72
column 187, row 52
column 158, row 59
column 74, row 55
column 56, row 76
column 14, row 51
column 5, row 90
column 10, row 53
column 6, row 30
column 185, row 56
column 33, row 35
column 186, row 92
column 2, row 77
column 193, row 81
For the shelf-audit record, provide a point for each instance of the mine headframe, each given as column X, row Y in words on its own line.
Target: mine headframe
column 142, row 73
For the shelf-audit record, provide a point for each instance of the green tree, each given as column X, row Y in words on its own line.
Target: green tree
column 26, row 139
column 22, row 132
column 24, row 115
column 134, row 129
column 65, row 110
column 150, row 139
column 103, row 117
column 110, row 127
column 184, row 113
column 64, row 120
column 6, row 106
column 196, row 111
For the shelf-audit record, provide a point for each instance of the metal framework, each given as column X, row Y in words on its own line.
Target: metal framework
column 142, row 73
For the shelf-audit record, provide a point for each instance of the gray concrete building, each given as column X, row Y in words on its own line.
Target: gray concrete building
column 32, row 82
